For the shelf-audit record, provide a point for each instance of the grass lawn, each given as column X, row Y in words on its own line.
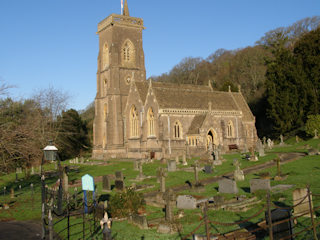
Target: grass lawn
column 26, row 206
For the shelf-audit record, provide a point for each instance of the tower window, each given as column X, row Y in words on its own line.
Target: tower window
column 105, row 56
column 230, row 130
column 128, row 53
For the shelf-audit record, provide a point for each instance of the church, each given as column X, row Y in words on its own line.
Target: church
column 139, row 118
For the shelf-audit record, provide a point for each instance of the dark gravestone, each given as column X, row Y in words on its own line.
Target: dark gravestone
column 119, row 175
column 208, row 169
column 227, row 185
column 106, row 183
column 119, row 185
column 284, row 229
column 259, row 184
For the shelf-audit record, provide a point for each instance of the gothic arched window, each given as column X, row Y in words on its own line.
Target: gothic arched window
column 105, row 56
column 134, row 122
column 230, row 130
column 150, row 120
column 128, row 53
column 177, row 130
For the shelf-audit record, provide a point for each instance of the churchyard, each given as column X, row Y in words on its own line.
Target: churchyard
column 192, row 183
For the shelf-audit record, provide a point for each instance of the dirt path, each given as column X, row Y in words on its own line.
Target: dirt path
column 286, row 157
column 15, row 230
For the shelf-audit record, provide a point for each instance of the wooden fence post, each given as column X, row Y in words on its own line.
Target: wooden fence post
column 311, row 214
column 269, row 216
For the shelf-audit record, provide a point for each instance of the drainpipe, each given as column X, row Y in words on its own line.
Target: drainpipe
column 237, row 131
column 169, row 143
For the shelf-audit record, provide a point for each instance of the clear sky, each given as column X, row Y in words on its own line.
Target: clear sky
column 53, row 42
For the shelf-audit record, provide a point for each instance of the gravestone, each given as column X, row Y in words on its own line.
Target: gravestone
column 227, row 185
column 315, row 134
column 141, row 176
column 238, row 173
column 106, row 183
column 169, row 197
column 184, row 160
column 65, row 181
column 253, row 157
column 216, row 158
column 119, row 175
column 139, row 220
column 259, row 184
column 300, row 196
column 281, row 140
column 172, row 166
column 269, row 142
column 119, row 184
column 136, row 165
column 283, row 229
column 297, row 139
column 186, row 202
column 208, row 169
column 32, row 170
column 177, row 159
column 12, row 193
column 260, row 149
column 162, row 178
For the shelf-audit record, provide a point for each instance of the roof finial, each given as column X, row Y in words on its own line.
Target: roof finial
column 125, row 9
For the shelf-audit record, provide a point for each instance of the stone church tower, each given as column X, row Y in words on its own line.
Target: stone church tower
column 120, row 61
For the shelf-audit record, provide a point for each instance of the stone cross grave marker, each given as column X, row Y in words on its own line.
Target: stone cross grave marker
column 162, row 177
column 299, row 196
column 196, row 174
column 106, row 183
column 259, row 184
column 172, row 166
column 227, row 185
column 169, row 197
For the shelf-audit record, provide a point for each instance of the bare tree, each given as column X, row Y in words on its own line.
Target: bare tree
column 4, row 87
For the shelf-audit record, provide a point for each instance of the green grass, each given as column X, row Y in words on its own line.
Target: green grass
column 300, row 173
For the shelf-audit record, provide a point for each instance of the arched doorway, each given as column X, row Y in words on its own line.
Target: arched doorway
column 212, row 140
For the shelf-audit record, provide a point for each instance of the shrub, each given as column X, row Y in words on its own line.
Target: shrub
column 313, row 123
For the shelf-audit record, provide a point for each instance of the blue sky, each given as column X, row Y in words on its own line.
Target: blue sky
column 53, row 42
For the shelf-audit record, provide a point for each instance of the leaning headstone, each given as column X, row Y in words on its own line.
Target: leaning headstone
column 12, row 193
column 186, row 202
column 259, row 184
column 106, row 183
column 228, row 186
column 300, row 196
column 313, row 152
column 119, row 175
column 172, row 166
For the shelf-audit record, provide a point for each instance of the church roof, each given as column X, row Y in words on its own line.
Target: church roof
column 196, row 124
column 195, row 97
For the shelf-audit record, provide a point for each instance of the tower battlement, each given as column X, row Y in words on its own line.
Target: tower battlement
column 116, row 19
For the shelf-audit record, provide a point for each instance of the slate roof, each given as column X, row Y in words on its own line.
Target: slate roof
column 195, row 97
column 196, row 124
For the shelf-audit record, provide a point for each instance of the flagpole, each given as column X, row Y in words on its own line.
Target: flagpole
column 121, row 7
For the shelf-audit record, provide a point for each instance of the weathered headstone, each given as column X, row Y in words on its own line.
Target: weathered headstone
column 316, row 134
column 261, row 149
column 106, row 183
column 169, row 198
column 253, row 157
column 259, row 184
column 216, row 158
column 238, row 173
column 32, row 170
column 208, row 169
column 281, row 140
column 186, row 202
column 119, row 184
column 119, row 175
column 228, row 186
column 139, row 220
column 162, row 178
column 177, row 159
column 184, row 160
column 269, row 141
column 136, row 165
column 172, row 166
column 300, row 196
column 12, row 193
column 65, row 182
